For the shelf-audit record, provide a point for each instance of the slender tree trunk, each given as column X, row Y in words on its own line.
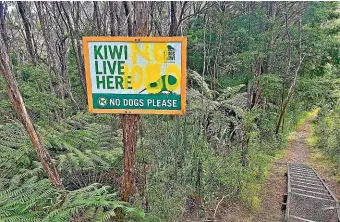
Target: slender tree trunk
column 73, row 25
column 271, row 13
column 257, row 91
column 52, row 90
column 62, row 51
column 2, row 22
column 173, row 19
column 50, row 53
column 293, row 84
column 27, row 27
column 58, row 51
column 204, row 56
column 128, row 17
column 112, row 19
column 96, row 19
column 118, row 7
column 19, row 107
column 215, row 66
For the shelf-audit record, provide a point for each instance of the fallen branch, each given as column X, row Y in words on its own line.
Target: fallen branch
column 218, row 204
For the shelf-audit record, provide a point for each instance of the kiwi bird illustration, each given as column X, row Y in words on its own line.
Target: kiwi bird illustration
column 161, row 81
column 171, row 53
column 170, row 48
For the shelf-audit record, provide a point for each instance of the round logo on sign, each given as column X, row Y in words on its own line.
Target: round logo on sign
column 102, row 101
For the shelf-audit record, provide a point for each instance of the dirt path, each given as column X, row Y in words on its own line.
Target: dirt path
column 276, row 186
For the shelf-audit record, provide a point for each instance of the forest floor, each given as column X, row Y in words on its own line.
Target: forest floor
column 298, row 151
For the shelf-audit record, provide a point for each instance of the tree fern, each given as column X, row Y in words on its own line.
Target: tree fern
column 38, row 200
column 81, row 152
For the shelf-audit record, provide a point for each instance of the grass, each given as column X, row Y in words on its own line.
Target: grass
column 306, row 115
column 318, row 159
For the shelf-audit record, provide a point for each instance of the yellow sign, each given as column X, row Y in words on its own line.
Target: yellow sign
column 137, row 75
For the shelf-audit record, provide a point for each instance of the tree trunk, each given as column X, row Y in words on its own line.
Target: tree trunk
column 56, row 49
column 112, row 19
column 2, row 22
column 96, row 19
column 215, row 66
column 173, row 19
column 271, row 14
column 130, row 126
column 19, row 107
column 296, row 72
column 27, row 27
column 50, row 52
column 128, row 17
column 73, row 28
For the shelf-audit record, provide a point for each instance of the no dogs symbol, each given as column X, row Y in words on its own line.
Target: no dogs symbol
column 102, row 101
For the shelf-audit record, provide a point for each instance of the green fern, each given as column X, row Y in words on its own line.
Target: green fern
column 80, row 147
column 38, row 200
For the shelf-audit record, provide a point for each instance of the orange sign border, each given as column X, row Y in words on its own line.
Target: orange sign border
column 181, row 39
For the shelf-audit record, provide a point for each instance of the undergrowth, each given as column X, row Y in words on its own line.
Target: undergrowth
column 324, row 141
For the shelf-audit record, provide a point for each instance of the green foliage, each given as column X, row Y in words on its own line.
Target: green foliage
column 77, row 90
column 86, row 147
column 37, row 200
column 5, row 104
column 85, row 157
column 321, row 38
column 34, row 87
column 327, row 134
